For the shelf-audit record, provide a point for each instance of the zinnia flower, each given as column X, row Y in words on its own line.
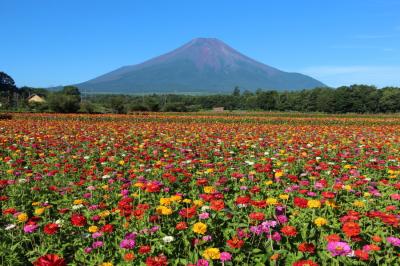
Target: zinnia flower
column 200, row 228
column 30, row 228
column 49, row 260
column 338, row 248
column 51, row 228
column 351, row 229
column 212, row 253
column 127, row 244
column 320, row 221
column 393, row 240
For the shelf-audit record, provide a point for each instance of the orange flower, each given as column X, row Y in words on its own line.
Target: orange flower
column 351, row 229
column 289, row 230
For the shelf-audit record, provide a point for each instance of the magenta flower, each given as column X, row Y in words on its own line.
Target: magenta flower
column 337, row 248
column 127, row 244
column 97, row 235
column 225, row 256
column 30, row 228
column 204, row 215
column 97, row 244
column 202, row 262
column 394, row 241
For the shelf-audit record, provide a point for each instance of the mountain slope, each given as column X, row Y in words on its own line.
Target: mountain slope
column 202, row 65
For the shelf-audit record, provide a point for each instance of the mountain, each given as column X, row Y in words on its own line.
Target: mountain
column 203, row 65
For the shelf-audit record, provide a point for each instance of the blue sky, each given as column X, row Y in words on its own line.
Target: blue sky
column 53, row 42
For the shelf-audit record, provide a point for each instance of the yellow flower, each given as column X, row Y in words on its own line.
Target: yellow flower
column 22, row 217
column 163, row 210
column 283, row 196
column 330, row 203
column 187, row 201
column 198, row 203
column 139, row 184
column 347, row 187
column 176, row 198
column 36, row 203
column 208, row 189
column 212, row 253
column 358, row 203
column 278, row 174
column 367, row 194
column 93, row 229
column 78, row 201
column 314, row 204
column 272, row 201
column 39, row 211
column 200, row 228
column 121, row 162
column 269, row 182
column 165, row 201
column 104, row 214
column 320, row 221
column 106, row 264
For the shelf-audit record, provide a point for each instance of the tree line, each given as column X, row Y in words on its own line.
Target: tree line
column 345, row 99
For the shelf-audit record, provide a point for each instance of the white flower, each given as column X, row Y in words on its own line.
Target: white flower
column 205, row 208
column 86, row 157
column 249, row 162
column 22, row 180
column 10, row 226
column 105, row 176
column 59, row 222
column 75, row 207
column 168, row 239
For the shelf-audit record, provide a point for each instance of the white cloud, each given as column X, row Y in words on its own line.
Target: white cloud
column 347, row 75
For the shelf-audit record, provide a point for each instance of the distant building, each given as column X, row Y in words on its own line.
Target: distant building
column 34, row 98
column 218, row 109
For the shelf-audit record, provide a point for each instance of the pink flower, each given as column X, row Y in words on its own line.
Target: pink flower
column 30, row 228
column 127, row 243
column 202, row 262
column 394, row 241
column 225, row 256
column 204, row 215
column 337, row 248
column 97, row 244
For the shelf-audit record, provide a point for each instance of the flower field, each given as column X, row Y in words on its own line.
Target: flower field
column 199, row 189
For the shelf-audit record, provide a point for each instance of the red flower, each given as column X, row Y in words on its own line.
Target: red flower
column 78, row 219
column 108, row 228
column 217, row 205
column 50, row 229
column 305, row 263
column 333, row 238
column 235, row 242
column 181, row 226
column 258, row 216
column 351, row 229
column 306, row 247
column 144, row 249
column 259, row 203
column 244, row 200
column 49, row 260
column 361, row 254
column 188, row 212
column 159, row 260
column 289, row 230
column 300, row 202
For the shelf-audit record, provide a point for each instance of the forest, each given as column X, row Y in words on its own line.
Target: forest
column 345, row 99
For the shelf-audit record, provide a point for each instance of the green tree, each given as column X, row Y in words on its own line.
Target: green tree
column 7, row 90
column 65, row 101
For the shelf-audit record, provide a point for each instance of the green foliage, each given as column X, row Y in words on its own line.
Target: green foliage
column 65, row 101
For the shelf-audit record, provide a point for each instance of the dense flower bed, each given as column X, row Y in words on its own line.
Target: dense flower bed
column 199, row 190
